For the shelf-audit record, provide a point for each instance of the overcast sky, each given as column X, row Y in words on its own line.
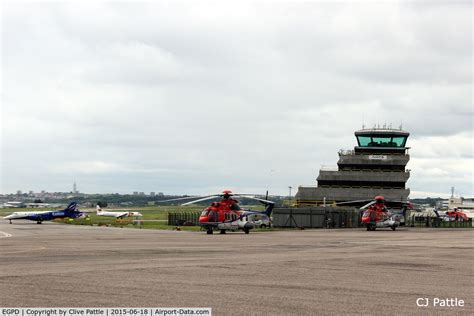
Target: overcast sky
column 197, row 97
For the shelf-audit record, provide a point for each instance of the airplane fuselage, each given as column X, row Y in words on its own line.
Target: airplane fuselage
column 42, row 216
column 119, row 214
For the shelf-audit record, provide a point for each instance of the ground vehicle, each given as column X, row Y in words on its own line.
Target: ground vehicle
column 259, row 220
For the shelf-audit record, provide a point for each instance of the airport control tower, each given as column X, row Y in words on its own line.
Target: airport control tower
column 376, row 166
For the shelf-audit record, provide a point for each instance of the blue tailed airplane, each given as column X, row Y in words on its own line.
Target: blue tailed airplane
column 71, row 211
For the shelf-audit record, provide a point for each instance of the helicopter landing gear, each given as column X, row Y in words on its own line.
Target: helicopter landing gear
column 10, row 221
column 222, row 231
column 393, row 227
column 210, row 231
column 246, row 230
column 370, row 227
column 39, row 222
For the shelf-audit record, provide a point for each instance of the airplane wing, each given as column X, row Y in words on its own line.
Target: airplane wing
column 121, row 214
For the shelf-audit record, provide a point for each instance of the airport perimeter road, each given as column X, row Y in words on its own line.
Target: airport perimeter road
column 281, row 272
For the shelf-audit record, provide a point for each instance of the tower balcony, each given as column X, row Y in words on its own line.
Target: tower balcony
column 316, row 195
column 368, row 161
column 366, row 177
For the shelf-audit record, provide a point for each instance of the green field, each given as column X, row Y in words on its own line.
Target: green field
column 154, row 217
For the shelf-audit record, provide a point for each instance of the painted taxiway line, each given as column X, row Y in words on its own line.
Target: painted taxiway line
column 4, row 235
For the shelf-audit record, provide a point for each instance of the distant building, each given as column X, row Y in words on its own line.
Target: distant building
column 14, row 204
column 142, row 193
column 135, row 192
column 74, row 188
column 152, row 194
column 460, row 202
column 19, row 192
column 442, row 204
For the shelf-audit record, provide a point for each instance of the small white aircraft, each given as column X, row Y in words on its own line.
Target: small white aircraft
column 117, row 215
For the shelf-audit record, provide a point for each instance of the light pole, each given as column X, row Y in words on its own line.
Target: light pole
column 289, row 197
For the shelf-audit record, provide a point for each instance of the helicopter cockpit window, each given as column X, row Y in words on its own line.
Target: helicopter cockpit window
column 235, row 207
column 204, row 213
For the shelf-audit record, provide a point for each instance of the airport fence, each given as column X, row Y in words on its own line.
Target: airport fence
column 434, row 221
column 316, row 217
column 183, row 219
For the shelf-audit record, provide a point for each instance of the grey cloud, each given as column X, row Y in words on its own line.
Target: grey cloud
column 133, row 95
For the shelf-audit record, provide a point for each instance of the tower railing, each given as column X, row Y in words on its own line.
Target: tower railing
column 352, row 152
column 345, row 169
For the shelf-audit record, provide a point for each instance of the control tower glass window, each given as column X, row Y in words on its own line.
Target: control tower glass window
column 381, row 141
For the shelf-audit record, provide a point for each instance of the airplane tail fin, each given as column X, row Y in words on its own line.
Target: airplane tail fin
column 71, row 207
column 268, row 207
column 99, row 209
column 404, row 211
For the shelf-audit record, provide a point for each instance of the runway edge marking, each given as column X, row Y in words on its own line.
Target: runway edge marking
column 4, row 235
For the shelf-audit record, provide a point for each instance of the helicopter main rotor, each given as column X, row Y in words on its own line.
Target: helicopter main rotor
column 226, row 194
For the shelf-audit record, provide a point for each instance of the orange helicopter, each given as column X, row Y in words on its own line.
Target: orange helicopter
column 227, row 215
column 375, row 214
column 455, row 214
column 378, row 216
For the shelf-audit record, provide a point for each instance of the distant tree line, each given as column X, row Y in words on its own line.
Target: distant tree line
column 430, row 201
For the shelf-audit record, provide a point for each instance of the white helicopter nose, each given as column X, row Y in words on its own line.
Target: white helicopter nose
column 9, row 216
